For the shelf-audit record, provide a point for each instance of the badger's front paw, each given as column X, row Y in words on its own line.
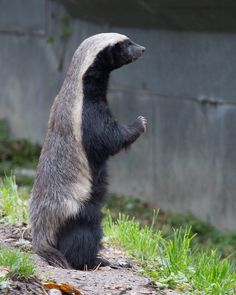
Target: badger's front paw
column 141, row 124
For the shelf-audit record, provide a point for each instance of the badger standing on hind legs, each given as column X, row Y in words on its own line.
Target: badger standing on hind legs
column 71, row 176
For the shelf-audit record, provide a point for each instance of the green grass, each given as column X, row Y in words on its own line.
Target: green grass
column 13, row 208
column 172, row 262
column 207, row 235
column 19, row 264
column 174, row 258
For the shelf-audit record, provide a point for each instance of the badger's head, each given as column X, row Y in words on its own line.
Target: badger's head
column 108, row 51
column 123, row 52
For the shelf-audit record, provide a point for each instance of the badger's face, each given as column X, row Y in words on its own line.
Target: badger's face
column 106, row 52
column 124, row 52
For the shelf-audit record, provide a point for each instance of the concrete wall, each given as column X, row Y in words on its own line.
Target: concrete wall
column 184, row 84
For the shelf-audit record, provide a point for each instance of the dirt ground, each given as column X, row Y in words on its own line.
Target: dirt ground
column 121, row 278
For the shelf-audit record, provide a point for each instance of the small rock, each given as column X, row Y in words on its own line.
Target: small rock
column 54, row 292
column 4, row 272
column 145, row 292
column 9, row 240
column 125, row 264
column 119, row 287
column 23, row 242
column 172, row 292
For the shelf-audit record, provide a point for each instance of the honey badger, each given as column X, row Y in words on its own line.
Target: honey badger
column 70, row 181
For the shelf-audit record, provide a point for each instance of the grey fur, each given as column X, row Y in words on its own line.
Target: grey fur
column 63, row 180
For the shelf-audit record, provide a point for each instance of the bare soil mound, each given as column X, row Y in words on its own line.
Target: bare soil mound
column 121, row 277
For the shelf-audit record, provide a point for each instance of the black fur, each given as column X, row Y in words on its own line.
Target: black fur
column 79, row 239
column 103, row 137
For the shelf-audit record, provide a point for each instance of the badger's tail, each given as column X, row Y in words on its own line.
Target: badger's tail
column 53, row 257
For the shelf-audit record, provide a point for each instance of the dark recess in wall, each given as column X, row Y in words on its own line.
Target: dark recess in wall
column 182, row 15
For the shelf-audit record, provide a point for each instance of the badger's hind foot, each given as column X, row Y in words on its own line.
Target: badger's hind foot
column 79, row 241
column 98, row 262
column 102, row 262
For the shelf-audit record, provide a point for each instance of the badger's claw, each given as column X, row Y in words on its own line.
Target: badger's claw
column 143, row 123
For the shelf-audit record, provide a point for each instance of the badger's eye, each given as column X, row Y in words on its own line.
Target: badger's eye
column 127, row 43
column 118, row 46
column 122, row 45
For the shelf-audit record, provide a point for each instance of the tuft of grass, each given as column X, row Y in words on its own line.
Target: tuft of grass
column 213, row 274
column 19, row 264
column 172, row 262
column 207, row 235
column 13, row 209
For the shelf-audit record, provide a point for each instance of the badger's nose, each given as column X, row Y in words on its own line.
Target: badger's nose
column 136, row 51
column 142, row 48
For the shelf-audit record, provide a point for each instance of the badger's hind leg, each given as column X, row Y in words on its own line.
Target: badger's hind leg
column 79, row 240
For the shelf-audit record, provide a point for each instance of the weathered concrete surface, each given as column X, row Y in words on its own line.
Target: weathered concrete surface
column 184, row 84
column 187, row 15
column 23, row 16
column 188, row 83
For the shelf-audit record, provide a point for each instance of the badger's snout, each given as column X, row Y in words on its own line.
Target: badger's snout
column 136, row 51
